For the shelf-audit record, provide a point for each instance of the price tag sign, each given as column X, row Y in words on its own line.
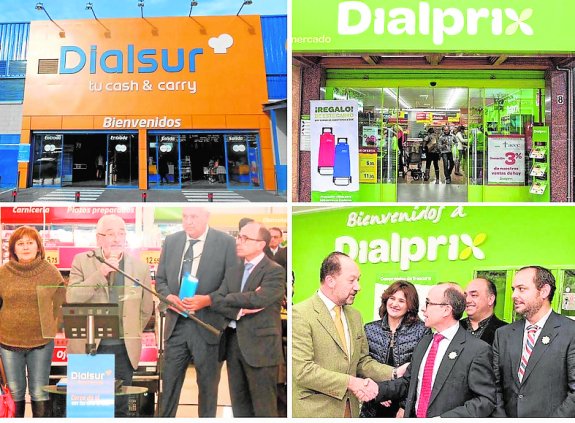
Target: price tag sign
column 150, row 257
column 53, row 257
column 368, row 165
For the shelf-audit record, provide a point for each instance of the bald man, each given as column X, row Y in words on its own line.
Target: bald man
column 207, row 254
column 450, row 374
column 480, row 301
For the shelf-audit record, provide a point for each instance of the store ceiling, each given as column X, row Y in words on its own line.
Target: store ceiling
column 425, row 98
column 435, row 61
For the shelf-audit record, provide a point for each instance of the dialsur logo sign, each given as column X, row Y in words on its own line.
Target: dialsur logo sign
column 357, row 17
column 73, row 59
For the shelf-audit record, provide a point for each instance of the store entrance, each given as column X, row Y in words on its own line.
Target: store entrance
column 204, row 154
column 85, row 160
column 432, row 144
column 204, row 160
column 185, row 161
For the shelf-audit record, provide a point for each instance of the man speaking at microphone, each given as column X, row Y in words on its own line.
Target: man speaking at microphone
column 94, row 282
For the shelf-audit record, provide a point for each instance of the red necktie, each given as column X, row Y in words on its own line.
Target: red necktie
column 425, row 393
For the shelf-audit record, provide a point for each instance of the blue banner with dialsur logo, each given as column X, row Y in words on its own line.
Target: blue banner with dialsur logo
column 90, row 390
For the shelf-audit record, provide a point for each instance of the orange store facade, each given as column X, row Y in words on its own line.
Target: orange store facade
column 147, row 103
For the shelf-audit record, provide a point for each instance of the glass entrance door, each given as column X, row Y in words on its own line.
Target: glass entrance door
column 432, row 155
column 122, row 163
column 164, row 161
column 47, row 165
column 243, row 163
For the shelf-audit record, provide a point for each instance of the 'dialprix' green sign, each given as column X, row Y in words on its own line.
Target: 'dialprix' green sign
column 428, row 244
column 479, row 26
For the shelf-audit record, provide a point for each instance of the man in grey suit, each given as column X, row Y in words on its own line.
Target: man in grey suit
column 206, row 253
column 450, row 374
column 250, row 298
column 534, row 358
column 95, row 282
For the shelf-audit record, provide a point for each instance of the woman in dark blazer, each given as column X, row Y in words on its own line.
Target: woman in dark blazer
column 393, row 338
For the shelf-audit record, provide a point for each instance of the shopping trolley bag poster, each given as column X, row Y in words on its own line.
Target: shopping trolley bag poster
column 334, row 148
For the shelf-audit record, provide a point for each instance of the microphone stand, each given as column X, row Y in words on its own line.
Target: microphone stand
column 162, row 298
column 160, row 359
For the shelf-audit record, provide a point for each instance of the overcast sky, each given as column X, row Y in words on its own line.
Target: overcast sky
column 25, row 11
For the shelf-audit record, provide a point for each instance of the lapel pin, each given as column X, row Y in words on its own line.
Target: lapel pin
column 545, row 340
column 452, row 355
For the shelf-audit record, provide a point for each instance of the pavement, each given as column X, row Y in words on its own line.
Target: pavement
column 117, row 195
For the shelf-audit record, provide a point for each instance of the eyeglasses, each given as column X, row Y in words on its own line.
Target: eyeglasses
column 243, row 239
column 428, row 303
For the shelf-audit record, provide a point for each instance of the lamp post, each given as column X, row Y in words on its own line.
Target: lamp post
column 192, row 4
column 40, row 6
column 245, row 3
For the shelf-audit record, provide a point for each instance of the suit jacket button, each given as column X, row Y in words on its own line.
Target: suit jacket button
column 521, row 396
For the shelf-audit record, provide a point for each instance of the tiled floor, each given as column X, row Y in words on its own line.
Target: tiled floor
column 189, row 397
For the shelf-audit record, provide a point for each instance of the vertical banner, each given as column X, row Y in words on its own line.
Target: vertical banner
column 368, row 165
column 506, row 160
column 334, row 149
column 90, row 391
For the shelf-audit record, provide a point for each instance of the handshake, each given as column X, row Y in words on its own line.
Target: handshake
column 363, row 389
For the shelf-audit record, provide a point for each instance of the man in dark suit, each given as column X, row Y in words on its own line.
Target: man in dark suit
column 250, row 298
column 450, row 374
column 534, row 358
column 480, row 300
column 206, row 253
column 274, row 250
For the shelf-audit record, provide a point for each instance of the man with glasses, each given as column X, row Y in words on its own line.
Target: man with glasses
column 274, row 250
column 94, row 282
column 207, row 254
column 534, row 357
column 450, row 374
column 250, row 299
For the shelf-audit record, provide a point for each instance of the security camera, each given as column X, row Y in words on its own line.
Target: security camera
column 433, row 83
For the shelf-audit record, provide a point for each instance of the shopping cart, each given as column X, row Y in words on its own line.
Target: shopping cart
column 210, row 174
column 413, row 150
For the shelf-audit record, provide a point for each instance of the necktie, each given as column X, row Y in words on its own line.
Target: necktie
column 188, row 258
column 339, row 327
column 247, row 268
column 425, row 394
column 529, row 344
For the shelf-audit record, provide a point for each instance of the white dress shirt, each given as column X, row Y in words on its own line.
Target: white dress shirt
column 197, row 250
column 255, row 261
column 448, row 335
column 330, row 306
column 539, row 324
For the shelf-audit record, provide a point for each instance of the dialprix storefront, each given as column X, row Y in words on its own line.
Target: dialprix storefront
column 503, row 73
column 430, row 244
column 147, row 103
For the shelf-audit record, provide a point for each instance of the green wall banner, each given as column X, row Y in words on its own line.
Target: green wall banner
column 480, row 26
column 429, row 244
